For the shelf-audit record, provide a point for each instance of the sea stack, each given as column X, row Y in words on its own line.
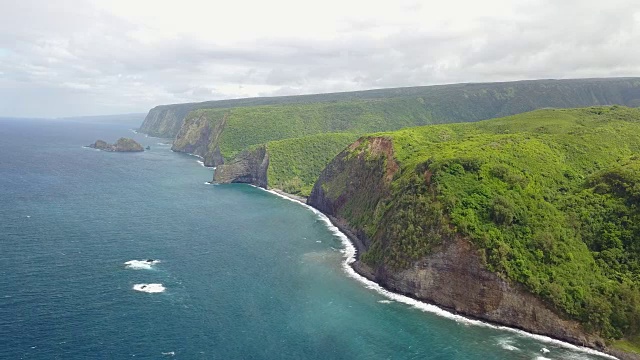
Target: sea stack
column 122, row 145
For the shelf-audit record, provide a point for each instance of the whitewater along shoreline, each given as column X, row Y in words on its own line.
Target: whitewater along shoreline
column 353, row 247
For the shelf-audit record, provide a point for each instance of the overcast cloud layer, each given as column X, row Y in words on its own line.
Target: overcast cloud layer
column 87, row 57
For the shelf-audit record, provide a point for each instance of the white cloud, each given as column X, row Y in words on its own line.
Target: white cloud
column 111, row 56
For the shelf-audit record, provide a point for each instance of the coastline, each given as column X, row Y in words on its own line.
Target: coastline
column 353, row 246
column 298, row 198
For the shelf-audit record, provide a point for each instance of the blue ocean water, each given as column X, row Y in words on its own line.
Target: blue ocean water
column 246, row 274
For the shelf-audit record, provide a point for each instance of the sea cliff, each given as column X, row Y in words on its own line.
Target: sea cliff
column 249, row 167
column 200, row 135
column 443, row 103
column 317, row 127
column 497, row 221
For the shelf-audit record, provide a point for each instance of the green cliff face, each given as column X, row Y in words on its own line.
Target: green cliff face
column 299, row 120
column 547, row 200
column 200, row 135
column 164, row 121
column 433, row 104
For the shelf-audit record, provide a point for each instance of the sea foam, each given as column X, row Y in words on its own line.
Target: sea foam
column 349, row 252
column 140, row 264
column 149, row 288
column 507, row 344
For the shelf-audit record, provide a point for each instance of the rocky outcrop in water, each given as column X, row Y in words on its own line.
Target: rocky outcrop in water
column 248, row 167
column 122, row 145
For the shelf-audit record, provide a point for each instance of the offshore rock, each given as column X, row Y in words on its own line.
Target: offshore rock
column 122, row 145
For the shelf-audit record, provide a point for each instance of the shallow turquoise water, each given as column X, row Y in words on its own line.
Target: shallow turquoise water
column 248, row 275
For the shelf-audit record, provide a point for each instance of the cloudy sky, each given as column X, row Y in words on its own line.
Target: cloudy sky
column 90, row 57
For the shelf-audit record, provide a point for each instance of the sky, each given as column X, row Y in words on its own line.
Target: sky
column 93, row 57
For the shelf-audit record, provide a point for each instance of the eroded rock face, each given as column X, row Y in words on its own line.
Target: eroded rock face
column 248, row 167
column 453, row 276
column 165, row 120
column 199, row 135
column 122, row 145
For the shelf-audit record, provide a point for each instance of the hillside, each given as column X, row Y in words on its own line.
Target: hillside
column 218, row 135
column 442, row 103
column 530, row 220
column 315, row 133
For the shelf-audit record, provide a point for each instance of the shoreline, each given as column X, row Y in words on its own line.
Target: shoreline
column 354, row 269
column 298, row 198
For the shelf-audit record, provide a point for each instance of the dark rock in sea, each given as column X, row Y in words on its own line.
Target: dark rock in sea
column 122, row 145
column 148, row 148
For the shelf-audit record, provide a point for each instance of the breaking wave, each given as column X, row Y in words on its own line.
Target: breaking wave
column 349, row 253
column 141, row 264
column 507, row 344
column 149, row 288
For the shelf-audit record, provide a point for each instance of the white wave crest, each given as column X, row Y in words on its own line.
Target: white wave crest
column 149, row 288
column 141, row 264
column 507, row 344
column 349, row 252
column 385, row 301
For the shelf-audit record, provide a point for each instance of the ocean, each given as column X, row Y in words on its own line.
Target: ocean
column 133, row 255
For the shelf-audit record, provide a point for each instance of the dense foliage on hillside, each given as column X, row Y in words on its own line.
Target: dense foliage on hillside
column 302, row 138
column 550, row 197
column 249, row 126
column 294, row 164
column 250, row 122
column 439, row 104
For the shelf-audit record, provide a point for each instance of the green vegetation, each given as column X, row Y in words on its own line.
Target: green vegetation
column 551, row 197
column 303, row 138
column 441, row 104
column 629, row 345
column 250, row 122
column 248, row 126
column 294, row 164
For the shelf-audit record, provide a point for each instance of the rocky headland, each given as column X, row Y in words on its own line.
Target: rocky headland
column 388, row 193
